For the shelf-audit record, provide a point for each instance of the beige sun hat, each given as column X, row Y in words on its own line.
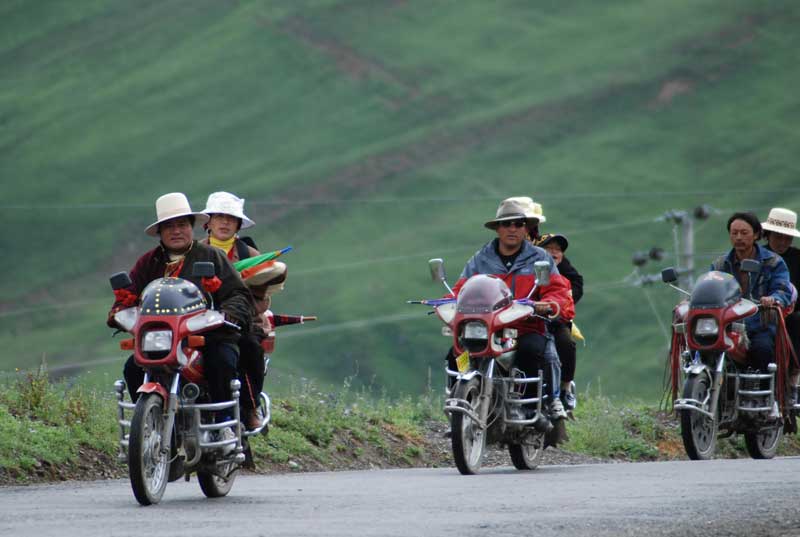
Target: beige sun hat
column 269, row 279
column 173, row 205
column 531, row 209
column 781, row 221
column 227, row 203
column 511, row 209
column 538, row 213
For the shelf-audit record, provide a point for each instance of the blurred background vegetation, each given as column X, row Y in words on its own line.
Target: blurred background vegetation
column 371, row 136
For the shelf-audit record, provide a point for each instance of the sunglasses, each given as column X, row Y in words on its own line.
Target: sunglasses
column 515, row 223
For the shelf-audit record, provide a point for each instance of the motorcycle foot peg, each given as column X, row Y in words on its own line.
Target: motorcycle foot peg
column 542, row 424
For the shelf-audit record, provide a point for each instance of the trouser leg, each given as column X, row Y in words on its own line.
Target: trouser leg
column 566, row 349
column 762, row 349
column 134, row 377
column 219, row 363
column 535, row 352
column 251, row 371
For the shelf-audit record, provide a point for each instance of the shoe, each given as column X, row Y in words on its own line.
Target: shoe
column 557, row 411
column 227, row 434
column 569, row 400
column 252, row 419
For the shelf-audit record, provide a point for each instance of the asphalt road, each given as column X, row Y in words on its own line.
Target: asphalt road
column 714, row 498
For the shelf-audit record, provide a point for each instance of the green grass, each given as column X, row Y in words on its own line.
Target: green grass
column 372, row 136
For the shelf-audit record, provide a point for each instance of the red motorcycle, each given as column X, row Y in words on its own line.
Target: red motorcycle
column 173, row 430
column 721, row 394
column 485, row 396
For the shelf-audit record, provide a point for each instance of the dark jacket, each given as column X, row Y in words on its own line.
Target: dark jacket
column 233, row 298
column 792, row 259
column 566, row 269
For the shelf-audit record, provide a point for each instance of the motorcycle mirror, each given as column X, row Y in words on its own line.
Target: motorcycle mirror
column 437, row 269
column 669, row 275
column 750, row 265
column 120, row 280
column 542, row 270
column 203, row 269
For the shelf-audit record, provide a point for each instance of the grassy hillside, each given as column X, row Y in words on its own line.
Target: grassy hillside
column 374, row 135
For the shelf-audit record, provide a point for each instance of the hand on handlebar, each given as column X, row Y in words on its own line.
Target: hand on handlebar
column 768, row 301
column 550, row 310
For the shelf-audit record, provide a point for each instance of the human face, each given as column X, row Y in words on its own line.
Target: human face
column 176, row 233
column 742, row 238
column 554, row 249
column 511, row 234
column 778, row 242
column 223, row 226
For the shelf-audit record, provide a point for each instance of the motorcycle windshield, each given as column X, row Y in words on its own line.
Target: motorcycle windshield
column 715, row 290
column 171, row 296
column 483, row 294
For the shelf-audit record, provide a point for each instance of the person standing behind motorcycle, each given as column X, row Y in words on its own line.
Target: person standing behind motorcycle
column 174, row 257
column 225, row 219
column 779, row 230
column 561, row 328
column 511, row 258
column 770, row 286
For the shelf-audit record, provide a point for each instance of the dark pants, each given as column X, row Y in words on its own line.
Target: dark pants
column 251, row 371
column 793, row 327
column 566, row 349
column 762, row 349
column 534, row 352
column 219, row 368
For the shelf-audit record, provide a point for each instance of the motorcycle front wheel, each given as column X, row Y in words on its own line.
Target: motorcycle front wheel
column 699, row 432
column 468, row 440
column 763, row 444
column 526, row 455
column 214, row 486
column 148, row 467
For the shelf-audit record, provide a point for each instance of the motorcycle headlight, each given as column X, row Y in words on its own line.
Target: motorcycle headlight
column 476, row 330
column 157, row 340
column 706, row 327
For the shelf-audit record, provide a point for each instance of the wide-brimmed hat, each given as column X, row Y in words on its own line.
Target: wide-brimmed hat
column 267, row 278
column 532, row 210
column 173, row 205
column 537, row 213
column 547, row 238
column 227, row 203
column 510, row 209
column 781, row 221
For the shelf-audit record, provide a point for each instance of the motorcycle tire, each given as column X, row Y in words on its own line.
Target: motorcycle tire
column 214, row 486
column 699, row 432
column 763, row 444
column 468, row 440
column 526, row 456
column 148, row 468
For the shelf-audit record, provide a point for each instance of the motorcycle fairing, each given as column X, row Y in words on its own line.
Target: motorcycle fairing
column 726, row 340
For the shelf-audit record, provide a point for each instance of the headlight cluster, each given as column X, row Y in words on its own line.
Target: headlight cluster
column 157, row 340
column 706, row 329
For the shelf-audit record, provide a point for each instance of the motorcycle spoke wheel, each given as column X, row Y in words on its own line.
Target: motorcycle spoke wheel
column 148, row 467
column 699, row 432
column 763, row 444
column 214, row 486
column 526, row 455
column 468, row 440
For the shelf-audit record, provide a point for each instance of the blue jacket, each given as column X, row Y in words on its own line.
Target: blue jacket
column 772, row 280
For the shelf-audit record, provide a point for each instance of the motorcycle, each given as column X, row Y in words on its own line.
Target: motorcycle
column 485, row 396
column 721, row 394
column 172, row 430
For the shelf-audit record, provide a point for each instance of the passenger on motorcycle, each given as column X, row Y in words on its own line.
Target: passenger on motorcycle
column 226, row 218
column 779, row 230
column 511, row 257
column 174, row 257
column 769, row 287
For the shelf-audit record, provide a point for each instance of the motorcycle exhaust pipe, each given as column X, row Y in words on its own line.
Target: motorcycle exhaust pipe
column 190, row 392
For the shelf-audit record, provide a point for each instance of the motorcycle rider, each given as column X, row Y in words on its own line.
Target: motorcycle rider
column 770, row 286
column 174, row 257
column 561, row 328
column 779, row 230
column 225, row 219
column 511, row 258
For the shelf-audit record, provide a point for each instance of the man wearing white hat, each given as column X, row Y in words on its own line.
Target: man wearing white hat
column 779, row 230
column 511, row 257
column 174, row 257
column 226, row 219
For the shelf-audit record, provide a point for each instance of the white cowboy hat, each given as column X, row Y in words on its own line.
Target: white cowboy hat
column 227, row 203
column 781, row 221
column 173, row 205
column 516, row 208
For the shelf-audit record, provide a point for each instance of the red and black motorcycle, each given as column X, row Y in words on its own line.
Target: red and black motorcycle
column 721, row 394
column 486, row 399
column 173, row 430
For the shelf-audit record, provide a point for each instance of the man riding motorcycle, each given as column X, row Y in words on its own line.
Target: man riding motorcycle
column 174, row 257
column 511, row 258
column 769, row 287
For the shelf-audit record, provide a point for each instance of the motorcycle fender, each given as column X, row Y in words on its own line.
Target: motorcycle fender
column 469, row 375
column 154, row 387
column 696, row 369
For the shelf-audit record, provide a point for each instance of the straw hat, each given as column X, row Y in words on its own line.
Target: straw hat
column 268, row 279
column 547, row 238
column 511, row 209
column 227, row 203
column 173, row 205
column 781, row 221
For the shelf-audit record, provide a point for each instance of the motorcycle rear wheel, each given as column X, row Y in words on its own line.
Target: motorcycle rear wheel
column 214, row 486
column 468, row 440
column 699, row 432
column 763, row 444
column 148, row 468
column 526, row 456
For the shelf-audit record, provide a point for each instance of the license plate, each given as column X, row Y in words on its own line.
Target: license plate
column 462, row 362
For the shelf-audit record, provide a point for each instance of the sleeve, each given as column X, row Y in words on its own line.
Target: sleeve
column 140, row 277
column 559, row 292
column 233, row 297
column 575, row 278
column 780, row 287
